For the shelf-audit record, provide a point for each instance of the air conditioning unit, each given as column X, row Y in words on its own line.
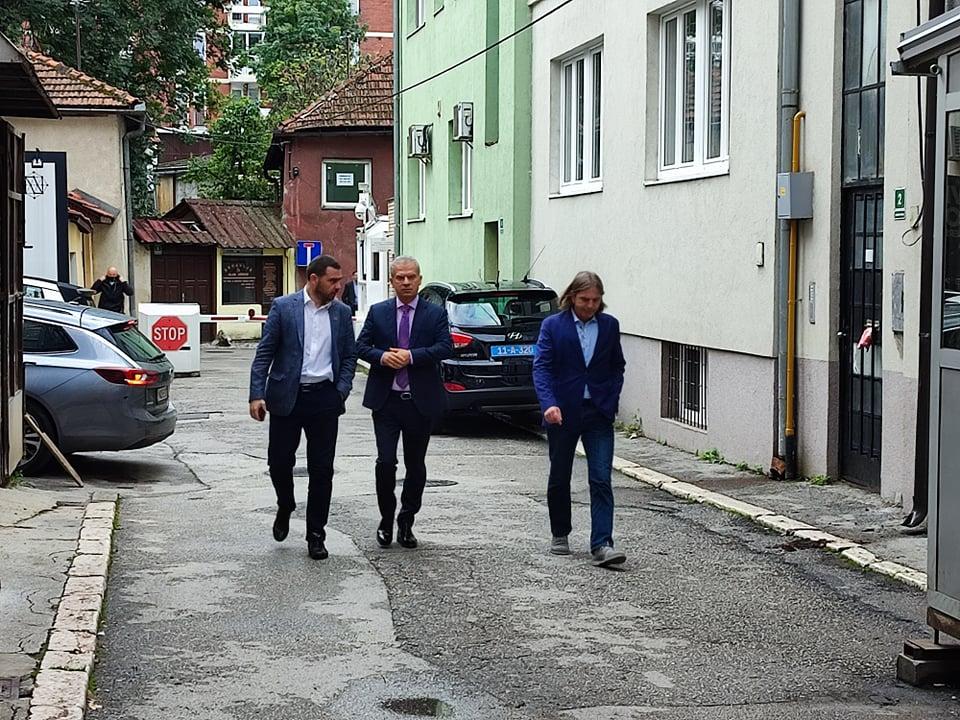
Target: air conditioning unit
column 463, row 121
column 418, row 141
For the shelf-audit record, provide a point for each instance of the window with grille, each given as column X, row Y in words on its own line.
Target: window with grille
column 684, row 392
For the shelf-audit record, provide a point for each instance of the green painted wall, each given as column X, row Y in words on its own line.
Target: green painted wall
column 496, row 236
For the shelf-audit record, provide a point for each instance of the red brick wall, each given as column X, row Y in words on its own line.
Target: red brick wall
column 303, row 215
column 377, row 15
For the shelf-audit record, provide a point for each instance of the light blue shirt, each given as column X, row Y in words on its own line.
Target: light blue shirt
column 587, row 332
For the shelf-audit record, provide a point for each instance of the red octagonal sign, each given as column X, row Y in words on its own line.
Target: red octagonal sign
column 169, row 333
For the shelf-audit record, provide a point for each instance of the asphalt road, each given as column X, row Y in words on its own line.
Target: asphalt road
column 208, row 618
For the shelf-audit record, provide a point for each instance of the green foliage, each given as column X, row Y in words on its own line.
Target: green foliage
column 711, row 456
column 239, row 138
column 15, row 479
column 141, row 46
column 632, row 429
column 821, row 480
column 308, row 49
column 743, row 467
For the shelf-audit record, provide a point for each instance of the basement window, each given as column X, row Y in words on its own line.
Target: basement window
column 684, row 384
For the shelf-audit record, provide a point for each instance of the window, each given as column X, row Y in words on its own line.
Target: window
column 694, row 88
column 466, row 180
column 501, row 309
column 419, row 13
column 416, row 190
column 580, row 118
column 684, row 391
column 43, row 338
column 341, row 182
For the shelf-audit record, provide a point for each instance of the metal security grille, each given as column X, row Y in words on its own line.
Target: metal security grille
column 685, row 384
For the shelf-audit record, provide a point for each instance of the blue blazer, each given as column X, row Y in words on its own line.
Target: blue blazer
column 275, row 373
column 429, row 344
column 560, row 373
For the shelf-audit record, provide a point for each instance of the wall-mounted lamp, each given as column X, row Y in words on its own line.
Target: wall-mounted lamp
column 36, row 162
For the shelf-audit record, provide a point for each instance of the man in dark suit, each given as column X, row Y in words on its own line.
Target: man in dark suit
column 302, row 374
column 349, row 296
column 404, row 339
column 578, row 375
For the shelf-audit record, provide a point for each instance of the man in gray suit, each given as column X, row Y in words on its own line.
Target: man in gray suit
column 302, row 374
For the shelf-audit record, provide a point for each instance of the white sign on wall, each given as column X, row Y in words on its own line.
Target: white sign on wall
column 344, row 179
column 41, row 255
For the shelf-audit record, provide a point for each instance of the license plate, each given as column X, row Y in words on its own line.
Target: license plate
column 512, row 350
column 163, row 394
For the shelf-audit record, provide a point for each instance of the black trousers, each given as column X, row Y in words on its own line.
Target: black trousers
column 317, row 414
column 400, row 417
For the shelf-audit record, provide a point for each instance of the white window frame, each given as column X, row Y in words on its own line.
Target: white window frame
column 699, row 165
column 421, row 189
column 466, row 179
column 368, row 174
column 592, row 116
column 420, row 13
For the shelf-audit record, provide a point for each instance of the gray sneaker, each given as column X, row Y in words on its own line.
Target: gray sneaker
column 560, row 546
column 606, row 556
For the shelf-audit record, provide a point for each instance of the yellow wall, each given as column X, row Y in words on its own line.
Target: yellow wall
column 248, row 330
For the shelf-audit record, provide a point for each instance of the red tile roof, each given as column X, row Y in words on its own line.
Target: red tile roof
column 236, row 223
column 95, row 209
column 364, row 100
column 169, row 232
column 70, row 89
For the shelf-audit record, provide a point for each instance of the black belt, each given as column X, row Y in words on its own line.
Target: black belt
column 402, row 394
column 314, row 386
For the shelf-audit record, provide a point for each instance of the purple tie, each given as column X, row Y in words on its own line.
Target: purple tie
column 403, row 340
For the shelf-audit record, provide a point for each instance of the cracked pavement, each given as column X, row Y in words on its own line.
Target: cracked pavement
column 712, row 618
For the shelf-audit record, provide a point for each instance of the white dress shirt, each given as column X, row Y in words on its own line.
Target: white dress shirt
column 413, row 311
column 317, row 342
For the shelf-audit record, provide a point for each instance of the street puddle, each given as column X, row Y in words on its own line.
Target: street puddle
column 418, row 707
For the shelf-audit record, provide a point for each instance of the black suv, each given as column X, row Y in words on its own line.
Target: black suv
column 494, row 328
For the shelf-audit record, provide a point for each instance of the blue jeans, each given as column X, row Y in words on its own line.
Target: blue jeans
column 596, row 433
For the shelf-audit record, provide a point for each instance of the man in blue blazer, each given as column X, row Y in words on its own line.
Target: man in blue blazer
column 302, row 374
column 404, row 339
column 578, row 375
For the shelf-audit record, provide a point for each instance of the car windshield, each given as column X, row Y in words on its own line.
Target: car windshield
column 133, row 342
column 501, row 309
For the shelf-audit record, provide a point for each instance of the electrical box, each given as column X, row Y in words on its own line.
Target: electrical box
column 418, row 141
column 463, row 121
column 795, row 196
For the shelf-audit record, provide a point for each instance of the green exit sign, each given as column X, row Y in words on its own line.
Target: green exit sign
column 899, row 203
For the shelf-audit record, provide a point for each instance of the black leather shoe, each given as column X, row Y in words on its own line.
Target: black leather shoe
column 405, row 536
column 384, row 538
column 316, row 548
column 281, row 526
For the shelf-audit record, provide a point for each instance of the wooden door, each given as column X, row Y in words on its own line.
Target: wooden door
column 185, row 274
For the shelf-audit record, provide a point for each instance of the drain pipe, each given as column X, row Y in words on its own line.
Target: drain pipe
column 141, row 110
column 921, row 467
column 784, row 464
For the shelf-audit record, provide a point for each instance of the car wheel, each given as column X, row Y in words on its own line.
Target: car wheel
column 36, row 456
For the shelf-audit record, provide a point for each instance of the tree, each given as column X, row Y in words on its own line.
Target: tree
column 308, row 48
column 148, row 48
column 239, row 138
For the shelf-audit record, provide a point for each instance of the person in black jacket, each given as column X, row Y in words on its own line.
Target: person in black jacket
column 349, row 296
column 112, row 288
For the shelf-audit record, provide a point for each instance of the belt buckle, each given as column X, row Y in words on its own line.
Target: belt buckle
column 406, row 395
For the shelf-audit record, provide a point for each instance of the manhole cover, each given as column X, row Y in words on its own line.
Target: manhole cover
column 419, row 707
column 193, row 416
column 432, row 483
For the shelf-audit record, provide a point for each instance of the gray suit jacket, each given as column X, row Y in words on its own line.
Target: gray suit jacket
column 275, row 373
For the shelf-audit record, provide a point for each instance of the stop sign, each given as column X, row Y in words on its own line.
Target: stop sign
column 169, row 333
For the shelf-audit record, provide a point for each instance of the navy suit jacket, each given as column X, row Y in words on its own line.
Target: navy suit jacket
column 560, row 373
column 429, row 344
column 275, row 373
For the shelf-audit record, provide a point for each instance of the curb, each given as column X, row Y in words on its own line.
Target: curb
column 60, row 689
column 854, row 552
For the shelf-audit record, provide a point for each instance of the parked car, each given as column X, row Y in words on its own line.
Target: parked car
column 494, row 328
column 42, row 289
column 93, row 382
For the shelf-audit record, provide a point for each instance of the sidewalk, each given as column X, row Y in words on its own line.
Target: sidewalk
column 848, row 512
column 40, row 532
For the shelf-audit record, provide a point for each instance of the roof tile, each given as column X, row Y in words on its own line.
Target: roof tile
column 70, row 89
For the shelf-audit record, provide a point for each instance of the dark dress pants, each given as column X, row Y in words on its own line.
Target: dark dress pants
column 317, row 414
column 400, row 417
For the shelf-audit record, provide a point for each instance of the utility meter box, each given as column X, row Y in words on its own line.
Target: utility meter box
column 795, row 195
column 175, row 329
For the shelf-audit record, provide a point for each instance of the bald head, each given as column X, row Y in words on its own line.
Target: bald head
column 112, row 272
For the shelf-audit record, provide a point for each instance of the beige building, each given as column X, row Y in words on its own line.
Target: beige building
column 664, row 180
column 90, row 141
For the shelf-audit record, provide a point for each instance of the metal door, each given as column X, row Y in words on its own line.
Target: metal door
column 861, row 351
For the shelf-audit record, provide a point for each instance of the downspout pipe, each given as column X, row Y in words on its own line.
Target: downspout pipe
column 784, row 465
column 397, row 129
column 141, row 110
column 928, row 172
